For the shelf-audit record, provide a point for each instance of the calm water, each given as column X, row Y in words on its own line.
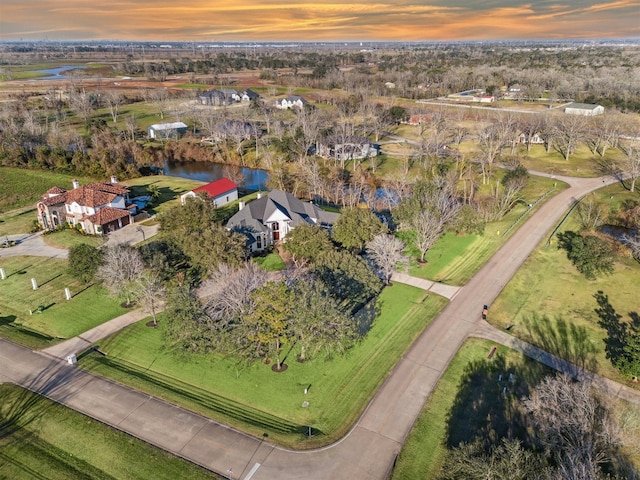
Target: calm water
column 208, row 172
column 55, row 73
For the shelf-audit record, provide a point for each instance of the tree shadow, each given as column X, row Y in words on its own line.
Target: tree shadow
column 7, row 320
column 365, row 317
column 617, row 330
column 486, row 407
column 562, row 339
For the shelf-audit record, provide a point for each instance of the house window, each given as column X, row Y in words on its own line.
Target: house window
column 275, row 229
column 259, row 242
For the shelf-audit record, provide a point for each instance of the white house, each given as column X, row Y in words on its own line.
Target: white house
column 270, row 218
column 587, row 109
column 292, row 101
column 167, row 130
column 221, row 191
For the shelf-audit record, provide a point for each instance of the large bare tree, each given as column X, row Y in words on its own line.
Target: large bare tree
column 384, row 251
column 122, row 264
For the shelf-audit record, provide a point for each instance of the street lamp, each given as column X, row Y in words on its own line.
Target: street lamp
column 141, row 230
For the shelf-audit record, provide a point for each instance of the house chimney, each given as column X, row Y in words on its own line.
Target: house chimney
column 76, row 184
column 114, row 179
column 240, row 205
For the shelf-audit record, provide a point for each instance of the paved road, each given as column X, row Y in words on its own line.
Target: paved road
column 369, row 450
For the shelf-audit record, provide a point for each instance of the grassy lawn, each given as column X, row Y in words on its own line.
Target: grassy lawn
column 271, row 262
column 581, row 164
column 257, row 400
column 41, row 439
column 89, row 307
column 169, row 188
column 439, row 424
column 69, row 237
column 454, row 259
column 551, row 305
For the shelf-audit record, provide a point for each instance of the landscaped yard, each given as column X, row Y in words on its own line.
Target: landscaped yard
column 553, row 306
column 439, row 424
column 69, row 237
column 257, row 400
column 454, row 259
column 41, row 439
column 59, row 318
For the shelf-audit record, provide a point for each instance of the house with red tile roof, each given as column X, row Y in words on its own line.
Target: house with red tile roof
column 98, row 208
column 221, row 191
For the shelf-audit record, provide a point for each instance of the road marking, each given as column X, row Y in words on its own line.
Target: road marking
column 252, row 471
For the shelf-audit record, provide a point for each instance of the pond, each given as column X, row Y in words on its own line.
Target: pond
column 254, row 179
column 56, row 73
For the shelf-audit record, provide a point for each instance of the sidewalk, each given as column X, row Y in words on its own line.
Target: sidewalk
column 447, row 291
column 615, row 389
column 77, row 344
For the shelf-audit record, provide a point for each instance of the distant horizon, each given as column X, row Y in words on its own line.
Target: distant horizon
column 322, row 21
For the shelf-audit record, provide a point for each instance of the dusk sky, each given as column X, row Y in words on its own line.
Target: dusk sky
column 284, row 20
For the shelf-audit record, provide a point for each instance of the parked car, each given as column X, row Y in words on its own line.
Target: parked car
column 485, row 311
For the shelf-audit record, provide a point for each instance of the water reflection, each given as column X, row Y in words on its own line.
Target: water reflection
column 56, row 73
column 255, row 179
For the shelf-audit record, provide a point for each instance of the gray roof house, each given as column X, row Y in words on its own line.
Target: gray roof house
column 270, row 218
column 167, row 130
column 587, row 109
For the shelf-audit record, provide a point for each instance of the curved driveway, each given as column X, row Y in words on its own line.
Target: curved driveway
column 369, row 450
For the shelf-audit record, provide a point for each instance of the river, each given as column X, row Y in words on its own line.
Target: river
column 255, row 179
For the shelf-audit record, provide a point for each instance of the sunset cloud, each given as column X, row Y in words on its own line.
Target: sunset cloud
column 282, row 20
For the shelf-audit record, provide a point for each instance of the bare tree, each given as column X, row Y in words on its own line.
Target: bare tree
column 568, row 129
column 591, row 213
column 228, row 292
column 122, row 264
column 631, row 161
column 384, row 251
column 574, row 425
column 150, row 293
column 160, row 98
column 113, row 99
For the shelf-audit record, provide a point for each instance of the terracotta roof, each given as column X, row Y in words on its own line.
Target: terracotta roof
column 109, row 187
column 55, row 191
column 55, row 200
column 88, row 197
column 106, row 215
column 217, row 188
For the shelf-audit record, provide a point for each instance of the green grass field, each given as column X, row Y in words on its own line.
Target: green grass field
column 41, row 439
column 89, row 307
column 169, row 188
column 548, row 284
column 424, row 451
column 257, row 400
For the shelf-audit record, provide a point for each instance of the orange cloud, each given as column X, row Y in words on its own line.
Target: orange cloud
column 253, row 20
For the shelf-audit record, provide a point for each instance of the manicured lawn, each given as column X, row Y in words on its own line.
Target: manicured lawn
column 169, row 188
column 19, row 220
column 271, row 262
column 257, row 400
column 41, row 439
column 69, row 237
column 439, row 423
column 89, row 307
column 454, row 259
column 549, row 285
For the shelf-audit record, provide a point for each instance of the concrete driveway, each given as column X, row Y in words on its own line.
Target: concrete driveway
column 32, row 245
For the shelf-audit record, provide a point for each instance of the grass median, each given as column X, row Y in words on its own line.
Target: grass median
column 41, row 439
column 255, row 399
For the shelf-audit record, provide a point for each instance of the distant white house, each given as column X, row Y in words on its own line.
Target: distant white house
column 221, row 191
column 292, row 101
column 167, row 130
column 587, row 109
